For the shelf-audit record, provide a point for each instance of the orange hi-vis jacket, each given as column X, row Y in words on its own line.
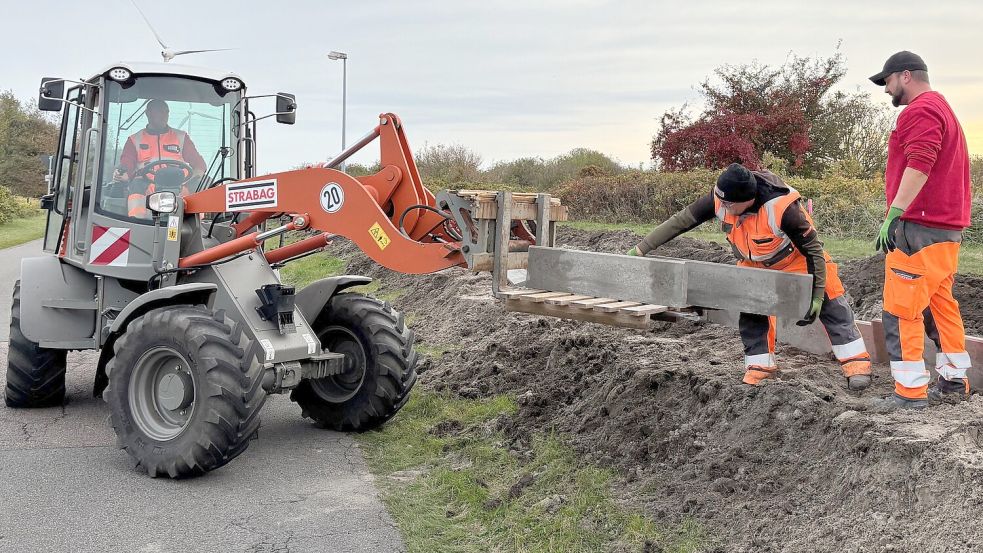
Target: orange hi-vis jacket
column 152, row 147
column 758, row 237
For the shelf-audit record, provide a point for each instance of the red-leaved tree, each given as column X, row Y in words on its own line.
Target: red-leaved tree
column 789, row 111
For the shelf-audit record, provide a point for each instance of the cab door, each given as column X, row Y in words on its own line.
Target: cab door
column 66, row 163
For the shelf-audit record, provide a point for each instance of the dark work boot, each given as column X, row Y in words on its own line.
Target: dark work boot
column 949, row 390
column 894, row 402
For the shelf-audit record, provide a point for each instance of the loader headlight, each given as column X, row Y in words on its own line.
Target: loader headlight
column 231, row 84
column 162, row 202
column 120, row 74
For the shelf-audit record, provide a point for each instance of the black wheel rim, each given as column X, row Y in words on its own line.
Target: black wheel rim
column 162, row 393
column 342, row 387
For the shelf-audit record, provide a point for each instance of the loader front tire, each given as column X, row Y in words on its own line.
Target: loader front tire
column 184, row 390
column 35, row 375
column 380, row 365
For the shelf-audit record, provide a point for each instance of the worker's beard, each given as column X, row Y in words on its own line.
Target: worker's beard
column 897, row 98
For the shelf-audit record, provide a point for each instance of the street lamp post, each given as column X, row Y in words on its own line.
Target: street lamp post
column 344, row 93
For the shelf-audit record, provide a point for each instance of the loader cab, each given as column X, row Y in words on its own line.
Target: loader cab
column 109, row 147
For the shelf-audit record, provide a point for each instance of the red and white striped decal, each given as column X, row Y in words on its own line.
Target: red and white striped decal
column 110, row 246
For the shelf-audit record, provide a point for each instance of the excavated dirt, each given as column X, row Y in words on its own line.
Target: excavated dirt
column 799, row 464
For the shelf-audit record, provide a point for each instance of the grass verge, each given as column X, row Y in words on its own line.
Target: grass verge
column 451, row 483
column 19, row 231
column 970, row 255
column 306, row 270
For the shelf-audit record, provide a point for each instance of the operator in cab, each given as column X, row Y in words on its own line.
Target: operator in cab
column 157, row 157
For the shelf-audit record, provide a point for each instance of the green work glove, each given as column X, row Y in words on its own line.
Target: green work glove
column 817, row 305
column 885, row 238
column 634, row 252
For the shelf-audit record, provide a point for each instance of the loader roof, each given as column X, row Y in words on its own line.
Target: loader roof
column 157, row 68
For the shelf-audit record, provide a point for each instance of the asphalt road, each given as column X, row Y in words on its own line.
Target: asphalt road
column 65, row 486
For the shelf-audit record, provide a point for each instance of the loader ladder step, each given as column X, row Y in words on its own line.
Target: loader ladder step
column 608, row 311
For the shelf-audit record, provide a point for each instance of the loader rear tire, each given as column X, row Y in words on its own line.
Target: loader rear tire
column 379, row 360
column 185, row 390
column 35, row 375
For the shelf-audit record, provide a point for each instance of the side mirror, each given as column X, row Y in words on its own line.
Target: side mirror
column 286, row 108
column 52, row 94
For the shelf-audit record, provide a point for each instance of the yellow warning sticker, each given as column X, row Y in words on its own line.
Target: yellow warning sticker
column 381, row 238
column 172, row 224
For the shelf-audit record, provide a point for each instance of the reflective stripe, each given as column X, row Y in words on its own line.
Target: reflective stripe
column 762, row 360
column 768, row 257
column 958, row 360
column 847, row 351
column 949, row 372
column 910, row 374
column 772, row 221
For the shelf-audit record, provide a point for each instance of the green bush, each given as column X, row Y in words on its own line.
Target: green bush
column 533, row 173
column 635, row 196
column 15, row 207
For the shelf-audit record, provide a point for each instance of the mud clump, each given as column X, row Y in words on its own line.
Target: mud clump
column 798, row 464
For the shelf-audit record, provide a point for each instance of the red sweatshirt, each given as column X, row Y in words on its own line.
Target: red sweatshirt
column 928, row 138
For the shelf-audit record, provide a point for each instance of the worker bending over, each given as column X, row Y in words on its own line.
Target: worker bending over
column 768, row 229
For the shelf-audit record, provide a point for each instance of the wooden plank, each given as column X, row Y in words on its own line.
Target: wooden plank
column 569, row 312
column 537, row 298
column 486, row 261
column 616, row 306
column 491, row 195
column 645, row 309
column 567, row 299
column 592, row 302
column 520, row 211
column 522, row 292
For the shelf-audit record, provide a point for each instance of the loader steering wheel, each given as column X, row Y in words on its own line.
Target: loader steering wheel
column 177, row 172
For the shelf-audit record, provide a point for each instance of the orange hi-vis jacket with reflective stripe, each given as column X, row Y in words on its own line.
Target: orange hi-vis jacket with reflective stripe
column 758, row 237
column 151, row 147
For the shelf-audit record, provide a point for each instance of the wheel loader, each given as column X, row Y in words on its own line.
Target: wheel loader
column 170, row 272
column 163, row 243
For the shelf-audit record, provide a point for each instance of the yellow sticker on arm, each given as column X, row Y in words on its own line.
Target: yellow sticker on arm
column 172, row 224
column 381, row 238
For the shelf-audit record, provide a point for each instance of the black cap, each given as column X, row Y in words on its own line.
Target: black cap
column 902, row 61
column 736, row 184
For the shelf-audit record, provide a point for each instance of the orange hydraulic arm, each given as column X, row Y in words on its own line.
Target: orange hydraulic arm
column 389, row 215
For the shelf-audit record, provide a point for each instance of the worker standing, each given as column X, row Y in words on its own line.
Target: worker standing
column 767, row 228
column 928, row 196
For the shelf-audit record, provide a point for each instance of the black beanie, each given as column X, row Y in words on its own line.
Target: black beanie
column 736, row 184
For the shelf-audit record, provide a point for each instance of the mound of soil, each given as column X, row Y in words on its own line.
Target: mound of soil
column 798, row 464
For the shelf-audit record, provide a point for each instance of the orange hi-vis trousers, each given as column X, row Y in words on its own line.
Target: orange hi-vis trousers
column 918, row 278
column 836, row 316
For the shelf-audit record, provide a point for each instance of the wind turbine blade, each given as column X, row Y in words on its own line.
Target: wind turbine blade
column 200, row 51
column 149, row 24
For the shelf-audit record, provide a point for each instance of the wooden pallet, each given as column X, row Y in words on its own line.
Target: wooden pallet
column 524, row 205
column 565, row 305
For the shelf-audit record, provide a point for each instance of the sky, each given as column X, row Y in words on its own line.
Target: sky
column 505, row 79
